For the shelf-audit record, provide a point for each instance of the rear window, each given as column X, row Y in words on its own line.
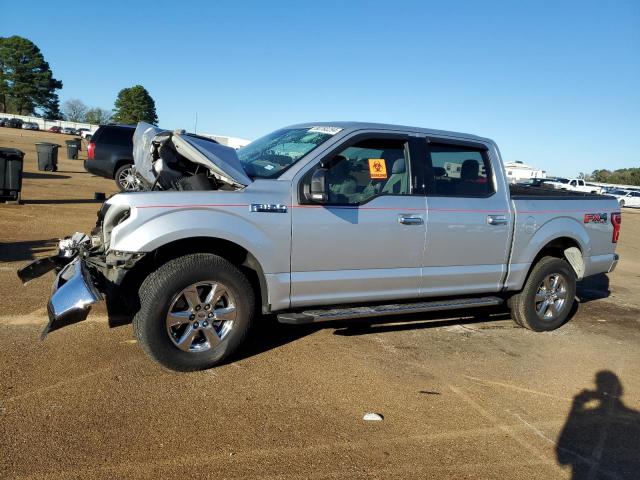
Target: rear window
column 460, row 171
column 115, row 136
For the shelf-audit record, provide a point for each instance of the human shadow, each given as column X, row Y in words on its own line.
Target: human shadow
column 20, row 251
column 47, row 176
column 601, row 437
column 592, row 288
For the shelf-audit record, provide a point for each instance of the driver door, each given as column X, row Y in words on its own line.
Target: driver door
column 366, row 243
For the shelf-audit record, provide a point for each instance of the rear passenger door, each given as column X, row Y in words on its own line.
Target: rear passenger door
column 469, row 223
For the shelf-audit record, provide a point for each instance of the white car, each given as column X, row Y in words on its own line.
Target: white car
column 626, row 198
column 69, row 131
column 85, row 133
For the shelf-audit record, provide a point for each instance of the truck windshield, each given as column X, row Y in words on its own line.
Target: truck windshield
column 272, row 154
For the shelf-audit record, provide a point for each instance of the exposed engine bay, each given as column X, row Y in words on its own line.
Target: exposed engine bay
column 176, row 160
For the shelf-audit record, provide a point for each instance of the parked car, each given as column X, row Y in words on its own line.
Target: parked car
column 110, row 155
column 69, row 131
column 320, row 222
column 86, row 134
column 3, row 121
column 30, row 126
column 82, row 131
column 14, row 123
column 626, row 198
column 55, row 129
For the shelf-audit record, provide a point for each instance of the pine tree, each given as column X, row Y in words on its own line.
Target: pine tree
column 135, row 105
column 27, row 85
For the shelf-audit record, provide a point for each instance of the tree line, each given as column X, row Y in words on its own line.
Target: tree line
column 622, row 176
column 27, row 87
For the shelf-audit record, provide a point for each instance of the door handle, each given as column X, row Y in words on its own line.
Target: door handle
column 405, row 219
column 496, row 220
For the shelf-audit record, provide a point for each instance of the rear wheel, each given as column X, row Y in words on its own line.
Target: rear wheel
column 125, row 179
column 547, row 297
column 195, row 311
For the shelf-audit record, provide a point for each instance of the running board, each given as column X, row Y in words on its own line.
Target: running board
column 312, row 316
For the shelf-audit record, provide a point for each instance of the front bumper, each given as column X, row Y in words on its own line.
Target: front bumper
column 72, row 296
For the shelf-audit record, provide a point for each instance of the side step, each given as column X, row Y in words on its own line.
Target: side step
column 312, row 316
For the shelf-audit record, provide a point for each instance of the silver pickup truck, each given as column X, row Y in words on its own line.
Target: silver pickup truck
column 319, row 222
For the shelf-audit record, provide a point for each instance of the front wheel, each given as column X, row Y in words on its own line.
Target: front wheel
column 621, row 203
column 547, row 297
column 195, row 311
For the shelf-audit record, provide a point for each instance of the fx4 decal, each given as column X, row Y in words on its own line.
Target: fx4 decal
column 595, row 218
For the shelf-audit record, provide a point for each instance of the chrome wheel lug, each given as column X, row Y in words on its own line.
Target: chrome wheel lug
column 198, row 307
column 210, row 315
column 207, row 306
column 192, row 317
column 195, row 325
column 205, row 324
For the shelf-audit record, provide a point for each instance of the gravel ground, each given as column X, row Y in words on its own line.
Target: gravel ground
column 466, row 395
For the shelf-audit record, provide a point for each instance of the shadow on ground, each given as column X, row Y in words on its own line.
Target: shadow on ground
column 41, row 176
column 592, row 288
column 601, row 437
column 267, row 333
column 61, row 201
column 27, row 250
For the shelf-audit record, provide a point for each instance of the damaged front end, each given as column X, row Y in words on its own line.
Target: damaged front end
column 84, row 268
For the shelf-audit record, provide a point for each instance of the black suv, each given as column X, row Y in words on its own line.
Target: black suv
column 110, row 155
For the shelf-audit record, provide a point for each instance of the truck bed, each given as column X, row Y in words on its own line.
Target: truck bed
column 521, row 192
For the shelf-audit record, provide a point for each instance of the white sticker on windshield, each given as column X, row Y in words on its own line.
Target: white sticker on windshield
column 327, row 130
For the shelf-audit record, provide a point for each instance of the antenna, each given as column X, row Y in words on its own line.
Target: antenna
column 195, row 124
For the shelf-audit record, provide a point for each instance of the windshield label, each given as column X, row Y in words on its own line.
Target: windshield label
column 327, row 130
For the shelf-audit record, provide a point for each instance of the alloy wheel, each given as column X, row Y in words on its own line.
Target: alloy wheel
column 201, row 316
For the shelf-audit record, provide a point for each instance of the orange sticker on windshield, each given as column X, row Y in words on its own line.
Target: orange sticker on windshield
column 377, row 168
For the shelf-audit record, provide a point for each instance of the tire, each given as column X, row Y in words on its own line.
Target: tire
column 48, row 168
column 121, row 179
column 621, row 203
column 163, row 298
column 539, row 288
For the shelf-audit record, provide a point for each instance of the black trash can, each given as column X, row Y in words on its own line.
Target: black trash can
column 72, row 148
column 47, row 156
column 11, row 162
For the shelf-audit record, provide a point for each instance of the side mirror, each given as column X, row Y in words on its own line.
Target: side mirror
column 318, row 191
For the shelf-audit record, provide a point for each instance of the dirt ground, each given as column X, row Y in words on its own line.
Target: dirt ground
column 467, row 395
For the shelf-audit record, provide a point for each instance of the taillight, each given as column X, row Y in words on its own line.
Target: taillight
column 90, row 150
column 616, row 220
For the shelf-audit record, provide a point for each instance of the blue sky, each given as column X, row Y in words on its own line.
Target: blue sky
column 556, row 84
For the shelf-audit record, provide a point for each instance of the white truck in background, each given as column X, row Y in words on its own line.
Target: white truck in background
column 575, row 185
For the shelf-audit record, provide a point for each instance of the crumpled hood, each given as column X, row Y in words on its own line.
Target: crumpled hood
column 222, row 161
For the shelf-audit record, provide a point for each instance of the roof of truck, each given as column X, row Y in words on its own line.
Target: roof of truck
column 352, row 125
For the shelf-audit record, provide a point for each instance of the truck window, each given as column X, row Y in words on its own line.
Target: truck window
column 459, row 171
column 366, row 170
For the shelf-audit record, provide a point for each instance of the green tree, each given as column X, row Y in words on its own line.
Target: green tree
column 135, row 105
column 97, row 116
column 27, row 85
column 623, row 176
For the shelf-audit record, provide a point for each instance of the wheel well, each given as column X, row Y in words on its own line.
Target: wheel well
column 557, row 248
column 121, row 163
column 230, row 251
